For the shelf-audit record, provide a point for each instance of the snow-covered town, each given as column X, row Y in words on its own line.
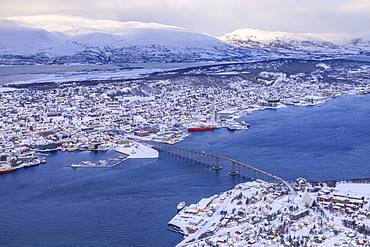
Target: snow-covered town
column 185, row 123
column 73, row 116
column 259, row 213
column 100, row 116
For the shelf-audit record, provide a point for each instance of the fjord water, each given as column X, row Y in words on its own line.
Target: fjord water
column 130, row 204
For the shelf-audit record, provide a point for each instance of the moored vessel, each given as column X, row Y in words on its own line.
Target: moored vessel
column 31, row 163
column 201, row 127
column 7, row 169
column 181, row 205
column 245, row 124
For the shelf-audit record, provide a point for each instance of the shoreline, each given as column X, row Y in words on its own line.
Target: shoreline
column 185, row 134
column 230, row 217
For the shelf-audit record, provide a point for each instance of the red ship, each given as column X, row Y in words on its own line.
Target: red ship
column 196, row 128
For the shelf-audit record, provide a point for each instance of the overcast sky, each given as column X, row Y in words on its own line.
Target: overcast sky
column 215, row 17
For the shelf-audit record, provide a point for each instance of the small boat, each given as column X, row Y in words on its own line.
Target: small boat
column 88, row 163
column 74, row 165
column 32, row 163
column 103, row 162
column 236, row 126
column 181, row 205
column 245, row 124
column 7, row 169
column 231, row 127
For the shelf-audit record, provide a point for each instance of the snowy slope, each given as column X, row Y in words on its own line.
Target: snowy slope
column 90, row 41
column 17, row 39
column 107, row 32
column 304, row 43
column 60, row 39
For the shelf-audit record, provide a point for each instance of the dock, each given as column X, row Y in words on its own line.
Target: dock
column 93, row 165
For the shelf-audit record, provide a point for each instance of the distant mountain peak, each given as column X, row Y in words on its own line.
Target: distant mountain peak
column 75, row 25
column 300, row 43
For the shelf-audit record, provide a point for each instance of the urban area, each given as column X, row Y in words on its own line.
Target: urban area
column 163, row 107
column 166, row 107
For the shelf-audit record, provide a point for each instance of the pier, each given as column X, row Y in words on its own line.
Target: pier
column 91, row 164
column 214, row 161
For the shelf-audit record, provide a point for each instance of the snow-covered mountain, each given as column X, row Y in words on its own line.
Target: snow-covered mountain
column 63, row 39
column 60, row 39
column 306, row 44
column 21, row 40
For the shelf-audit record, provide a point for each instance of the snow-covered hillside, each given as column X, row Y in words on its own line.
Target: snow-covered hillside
column 17, row 39
column 301, row 44
column 60, row 39
column 91, row 32
column 64, row 39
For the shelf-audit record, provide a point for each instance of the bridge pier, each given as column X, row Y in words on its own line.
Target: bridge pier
column 243, row 173
column 214, row 161
column 233, row 172
column 217, row 167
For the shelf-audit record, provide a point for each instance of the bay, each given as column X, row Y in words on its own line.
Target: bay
column 130, row 204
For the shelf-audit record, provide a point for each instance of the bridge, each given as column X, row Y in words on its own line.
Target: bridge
column 213, row 160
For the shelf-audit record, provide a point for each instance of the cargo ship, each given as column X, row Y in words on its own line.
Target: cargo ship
column 196, row 128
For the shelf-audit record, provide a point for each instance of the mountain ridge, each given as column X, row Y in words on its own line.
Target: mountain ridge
column 67, row 39
column 284, row 42
column 60, row 39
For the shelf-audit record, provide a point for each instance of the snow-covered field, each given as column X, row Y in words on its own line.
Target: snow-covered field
column 137, row 151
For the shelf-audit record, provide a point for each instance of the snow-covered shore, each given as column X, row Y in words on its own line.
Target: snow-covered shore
column 261, row 214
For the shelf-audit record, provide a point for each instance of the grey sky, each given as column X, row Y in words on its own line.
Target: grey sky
column 215, row 17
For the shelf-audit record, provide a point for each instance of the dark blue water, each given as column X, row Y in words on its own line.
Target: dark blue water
column 318, row 143
column 130, row 204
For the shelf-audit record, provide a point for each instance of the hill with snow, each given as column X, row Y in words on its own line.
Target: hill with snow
column 60, row 39
column 301, row 44
column 64, row 39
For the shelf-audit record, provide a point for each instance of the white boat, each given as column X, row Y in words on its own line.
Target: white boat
column 88, row 163
column 31, row 163
column 103, row 162
column 181, row 205
column 245, row 124
column 236, row 126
